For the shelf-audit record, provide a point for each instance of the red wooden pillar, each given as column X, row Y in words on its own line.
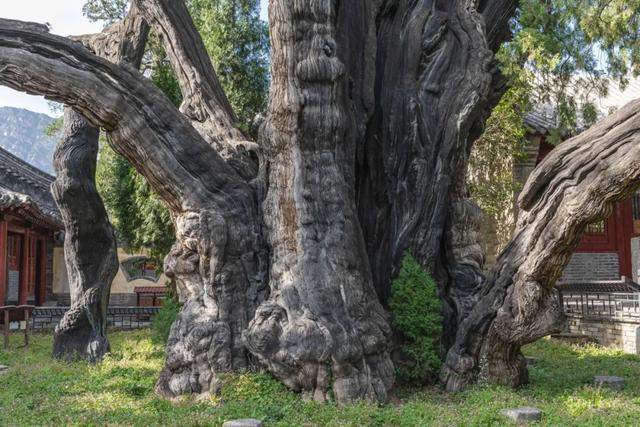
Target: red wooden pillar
column 42, row 291
column 3, row 261
column 23, row 294
column 624, row 233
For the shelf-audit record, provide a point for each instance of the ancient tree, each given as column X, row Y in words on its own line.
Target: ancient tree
column 90, row 246
column 286, row 246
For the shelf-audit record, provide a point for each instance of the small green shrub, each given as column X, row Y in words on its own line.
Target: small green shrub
column 417, row 316
column 164, row 319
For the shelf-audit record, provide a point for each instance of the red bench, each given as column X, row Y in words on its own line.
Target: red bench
column 12, row 313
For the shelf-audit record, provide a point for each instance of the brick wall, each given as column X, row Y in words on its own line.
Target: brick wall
column 46, row 318
column 122, row 300
column 592, row 266
column 621, row 334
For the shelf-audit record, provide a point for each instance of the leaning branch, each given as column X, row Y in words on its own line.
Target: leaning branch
column 577, row 184
column 122, row 42
column 204, row 100
column 143, row 124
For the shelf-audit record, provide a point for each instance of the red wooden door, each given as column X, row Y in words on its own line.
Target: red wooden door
column 31, row 270
column 14, row 248
column 14, row 264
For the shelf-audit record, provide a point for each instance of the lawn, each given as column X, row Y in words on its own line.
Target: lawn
column 38, row 390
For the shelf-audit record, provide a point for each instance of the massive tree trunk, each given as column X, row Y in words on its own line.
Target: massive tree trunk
column 322, row 326
column 90, row 244
column 285, row 249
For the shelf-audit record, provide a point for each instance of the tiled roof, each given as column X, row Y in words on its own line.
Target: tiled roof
column 543, row 117
column 26, row 190
column 541, row 120
column 599, row 287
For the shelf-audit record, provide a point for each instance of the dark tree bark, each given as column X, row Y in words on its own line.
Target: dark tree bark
column 90, row 243
column 285, row 250
column 322, row 326
column 577, row 184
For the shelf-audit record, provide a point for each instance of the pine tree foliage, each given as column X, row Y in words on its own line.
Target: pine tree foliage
column 416, row 310
column 563, row 56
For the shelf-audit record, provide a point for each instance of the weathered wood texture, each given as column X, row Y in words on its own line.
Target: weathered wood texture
column 216, row 258
column 575, row 185
column 204, row 101
column 322, row 327
column 90, row 244
column 433, row 85
column 219, row 259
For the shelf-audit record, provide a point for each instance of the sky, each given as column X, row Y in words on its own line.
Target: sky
column 65, row 18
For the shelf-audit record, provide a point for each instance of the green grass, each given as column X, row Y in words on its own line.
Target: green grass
column 38, row 390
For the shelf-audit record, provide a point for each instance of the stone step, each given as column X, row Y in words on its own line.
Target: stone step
column 246, row 422
column 522, row 415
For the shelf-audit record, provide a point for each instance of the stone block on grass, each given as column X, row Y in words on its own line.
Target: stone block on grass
column 614, row 383
column 246, row 422
column 522, row 415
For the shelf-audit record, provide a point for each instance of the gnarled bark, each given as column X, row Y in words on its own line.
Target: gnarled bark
column 217, row 256
column 322, row 327
column 432, row 87
column 575, row 185
column 90, row 244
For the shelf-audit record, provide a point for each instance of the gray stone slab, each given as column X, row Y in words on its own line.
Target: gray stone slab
column 3, row 369
column 246, row 422
column 614, row 383
column 522, row 415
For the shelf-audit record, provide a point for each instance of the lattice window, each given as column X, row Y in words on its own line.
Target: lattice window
column 140, row 268
column 597, row 227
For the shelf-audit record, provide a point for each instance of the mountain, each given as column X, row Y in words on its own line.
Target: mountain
column 22, row 132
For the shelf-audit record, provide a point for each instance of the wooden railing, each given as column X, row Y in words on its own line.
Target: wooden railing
column 46, row 318
column 620, row 306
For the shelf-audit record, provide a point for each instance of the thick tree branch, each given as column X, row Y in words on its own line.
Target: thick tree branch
column 204, row 100
column 218, row 259
column 90, row 247
column 122, row 42
column 90, row 242
column 141, row 122
column 575, row 185
column 497, row 14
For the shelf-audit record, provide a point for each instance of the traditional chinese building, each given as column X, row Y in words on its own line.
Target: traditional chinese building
column 32, row 266
column 29, row 224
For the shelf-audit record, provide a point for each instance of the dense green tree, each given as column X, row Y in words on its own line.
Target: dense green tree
column 416, row 311
column 237, row 42
column 108, row 11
